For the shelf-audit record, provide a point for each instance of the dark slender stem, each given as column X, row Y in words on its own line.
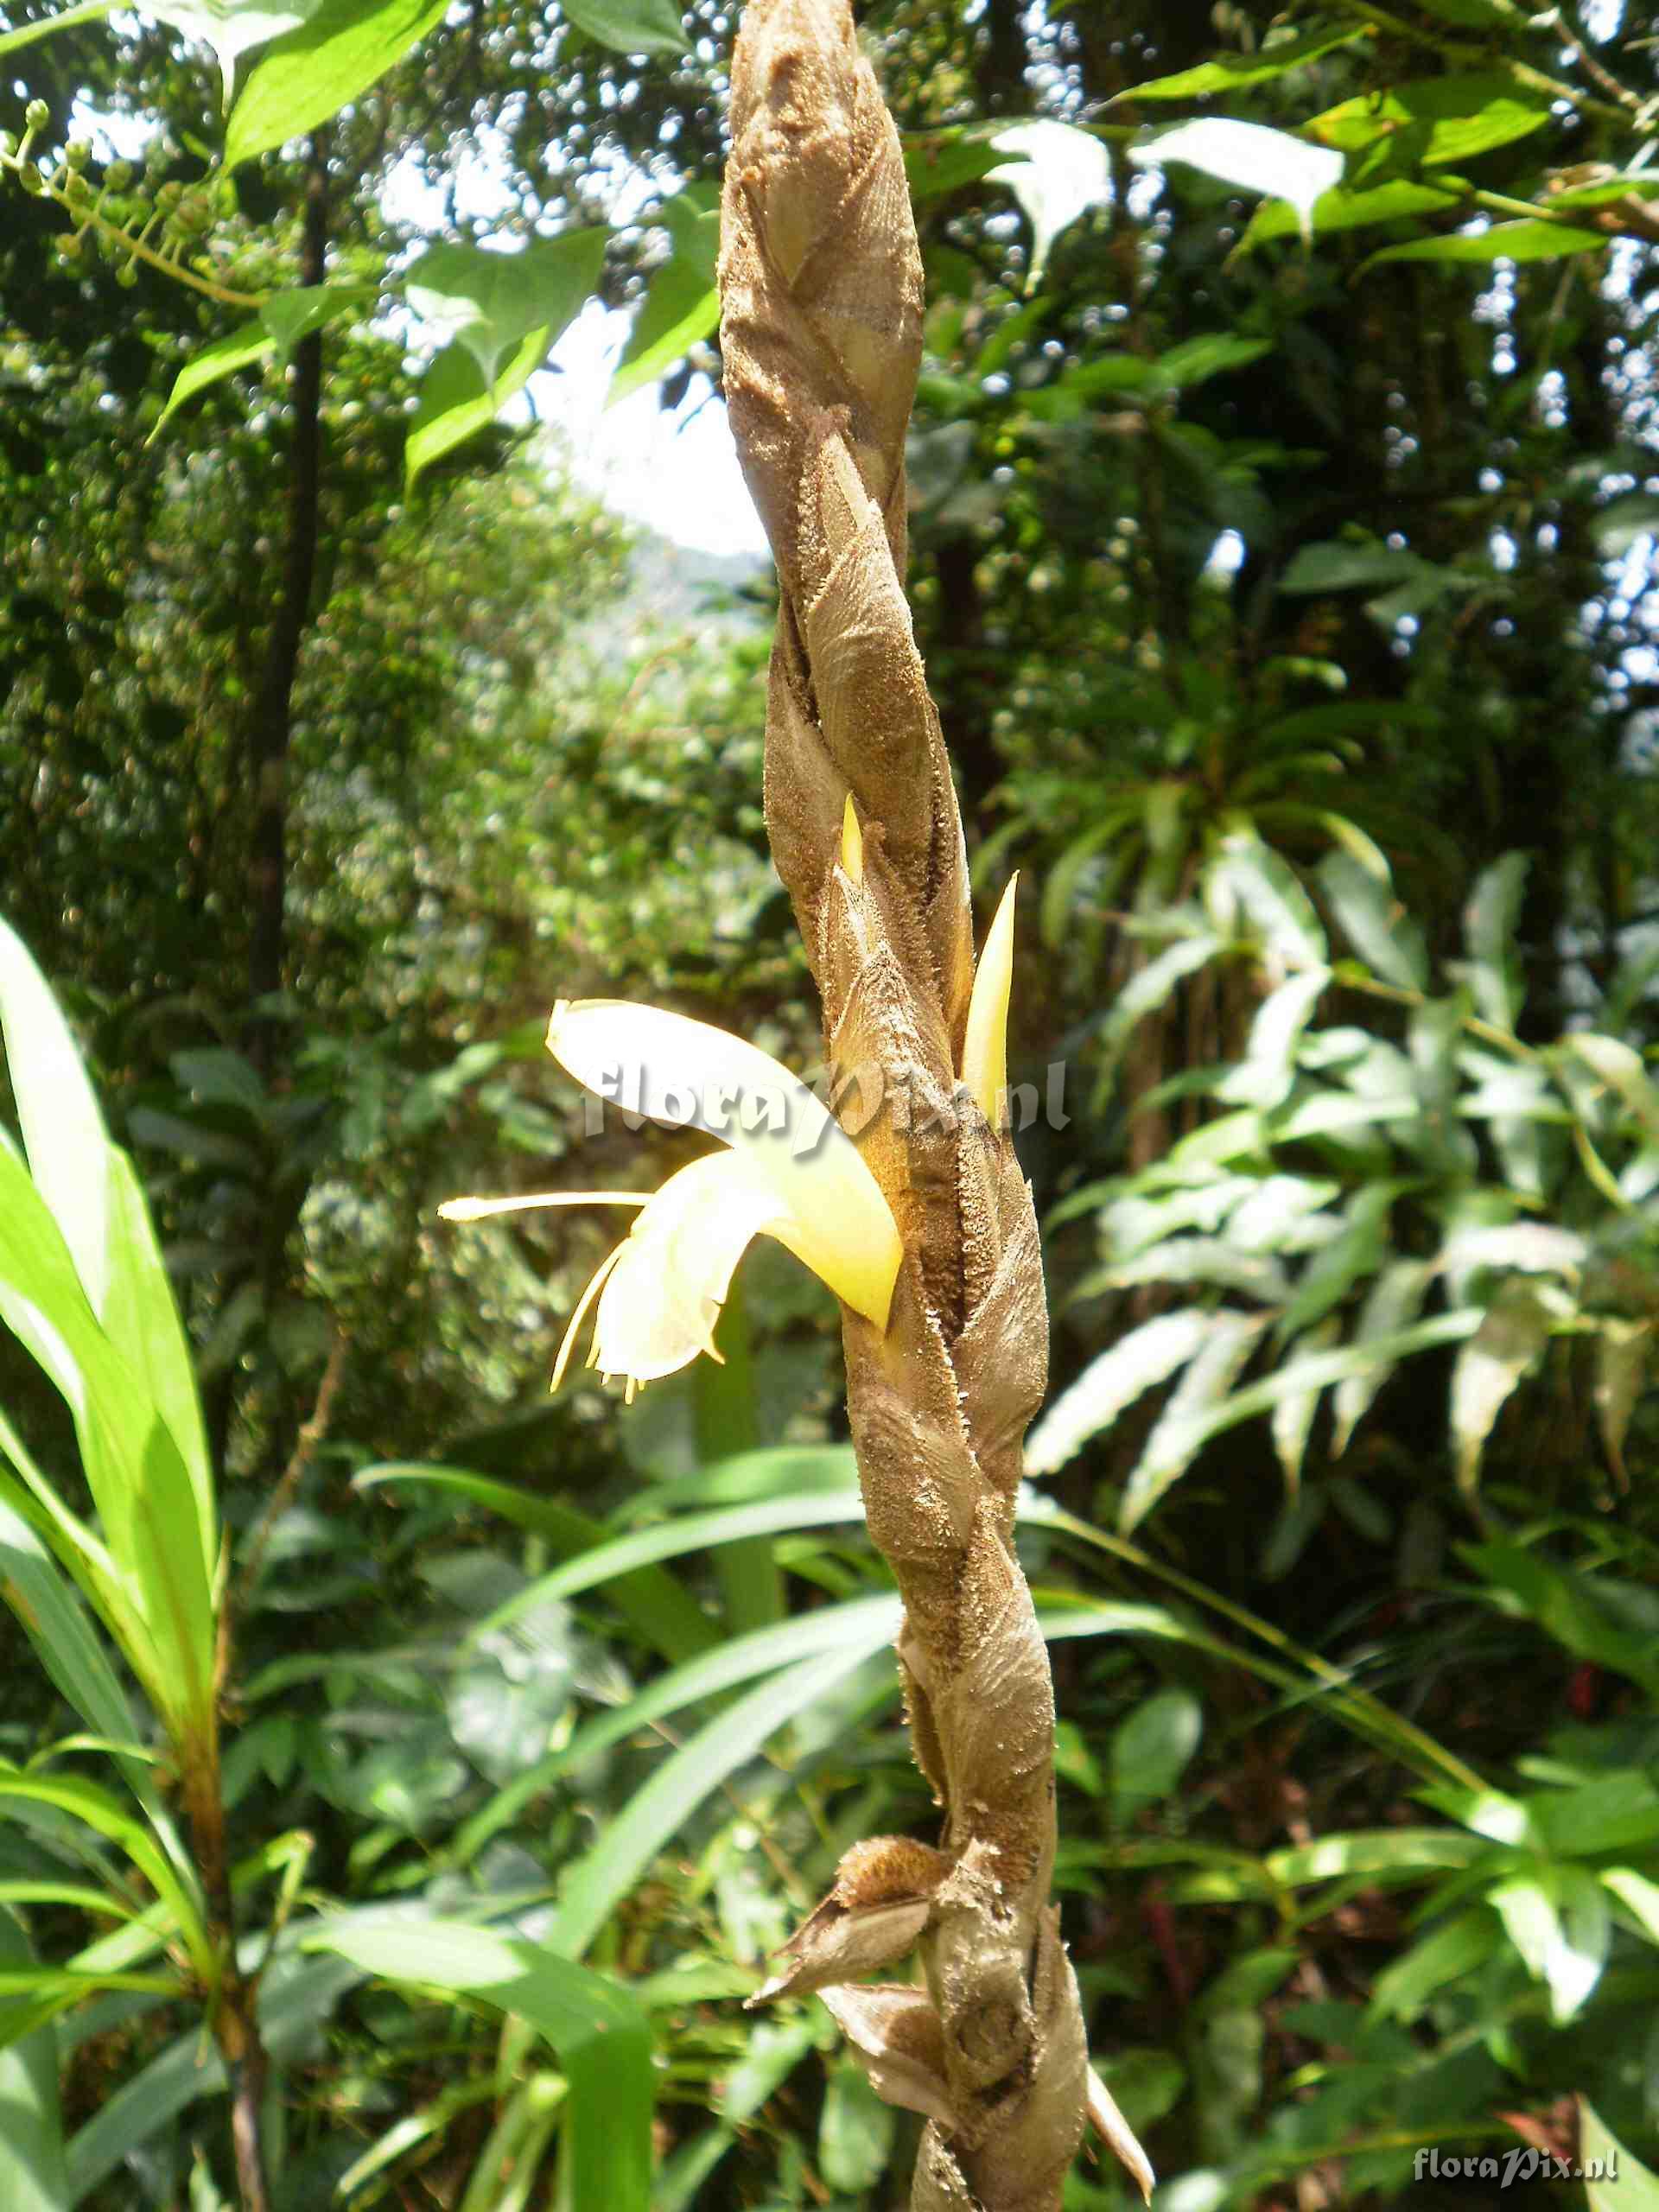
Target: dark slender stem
column 273, row 708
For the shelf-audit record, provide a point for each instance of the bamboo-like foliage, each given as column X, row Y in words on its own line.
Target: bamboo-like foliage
column 820, row 290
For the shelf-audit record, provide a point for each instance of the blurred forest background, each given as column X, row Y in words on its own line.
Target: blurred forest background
column 1283, row 514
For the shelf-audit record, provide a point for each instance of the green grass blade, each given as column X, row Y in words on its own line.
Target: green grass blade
column 33, row 2176
column 602, row 2036
column 829, row 1627
column 660, row 1610
column 658, row 1810
column 108, row 1817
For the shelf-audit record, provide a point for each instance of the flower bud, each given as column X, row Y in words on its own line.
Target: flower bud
column 37, row 115
column 118, row 176
column 76, row 154
column 127, row 275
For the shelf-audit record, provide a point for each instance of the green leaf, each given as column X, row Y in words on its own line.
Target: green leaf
column 88, row 11
column 283, row 320
column 1264, row 1076
column 1232, row 72
column 1249, row 876
column 1149, row 987
column 631, row 26
column 1392, row 1303
column 55, row 1622
column 681, row 306
column 1180, row 1430
column 856, row 2130
column 1431, row 120
column 1110, row 1383
column 597, row 1882
column 310, row 74
column 943, row 161
column 1568, row 1606
column 491, row 303
column 1374, row 923
column 107, row 1816
column 1455, row 1947
column 1489, row 922
column 1058, row 172
column 1342, row 210
column 1614, row 2180
column 1620, row 1067
column 1251, row 157
column 1370, row 1852
column 1197, row 360
column 33, row 2175
column 1557, row 1919
column 456, row 399
column 1522, row 241
column 1151, row 1750
column 601, row 2036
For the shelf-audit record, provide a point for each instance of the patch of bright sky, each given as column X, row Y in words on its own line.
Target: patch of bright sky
column 674, row 470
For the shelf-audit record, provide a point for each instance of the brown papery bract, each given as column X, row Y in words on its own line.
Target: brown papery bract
column 820, row 292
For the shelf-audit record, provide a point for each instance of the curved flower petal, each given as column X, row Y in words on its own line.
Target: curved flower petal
column 829, row 1208
column 985, row 1047
column 665, row 1286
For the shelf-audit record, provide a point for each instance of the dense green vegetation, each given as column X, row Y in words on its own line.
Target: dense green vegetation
column 1290, row 603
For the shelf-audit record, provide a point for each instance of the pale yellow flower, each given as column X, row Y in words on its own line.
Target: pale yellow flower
column 789, row 1171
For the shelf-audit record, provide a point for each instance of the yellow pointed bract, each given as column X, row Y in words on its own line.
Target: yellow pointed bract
column 852, row 842
column 791, row 1171
column 985, row 1046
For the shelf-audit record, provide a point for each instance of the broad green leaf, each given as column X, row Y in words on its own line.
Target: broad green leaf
column 1180, row 1433
column 1452, row 1950
column 593, row 1885
column 1151, row 1750
column 681, row 305
column 1250, row 877
column 1357, row 1250
column 1149, row 987
column 1341, row 210
column 1620, row 1067
column 55, row 1622
column 1615, row 2180
column 1567, row 1604
column 1616, row 1812
column 943, row 161
column 309, row 74
column 1110, row 1383
column 1339, row 564
column 1638, row 1896
column 1197, row 360
column 1557, row 1919
column 1058, row 172
column 283, row 320
column 631, row 26
column 1435, row 120
column 490, row 302
column 33, row 2174
column 1264, row 1076
column 1392, row 1303
column 1251, row 157
column 455, row 402
column 149, row 1509
column 1375, row 922
column 1232, row 72
column 601, row 2036
column 1522, row 241
column 1293, row 1417
column 1371, row 1852
column 1489, row 924
column 1490, row 1367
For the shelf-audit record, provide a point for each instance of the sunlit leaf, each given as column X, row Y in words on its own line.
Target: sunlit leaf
column 309, row 74
column 1615, row 2180
column 1058, row 174
column 1232, row 72
column 681, row 306
column 631, row 26
column 1250, row 155
column 1137, row 1363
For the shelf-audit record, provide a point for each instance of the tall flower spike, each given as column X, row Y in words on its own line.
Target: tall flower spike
column 791, row 1171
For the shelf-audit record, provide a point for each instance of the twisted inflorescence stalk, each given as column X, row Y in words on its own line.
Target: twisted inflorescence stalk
column 821, row 288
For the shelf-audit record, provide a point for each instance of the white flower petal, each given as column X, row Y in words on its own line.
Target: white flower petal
column 830, row 1209
column 662, row 1296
